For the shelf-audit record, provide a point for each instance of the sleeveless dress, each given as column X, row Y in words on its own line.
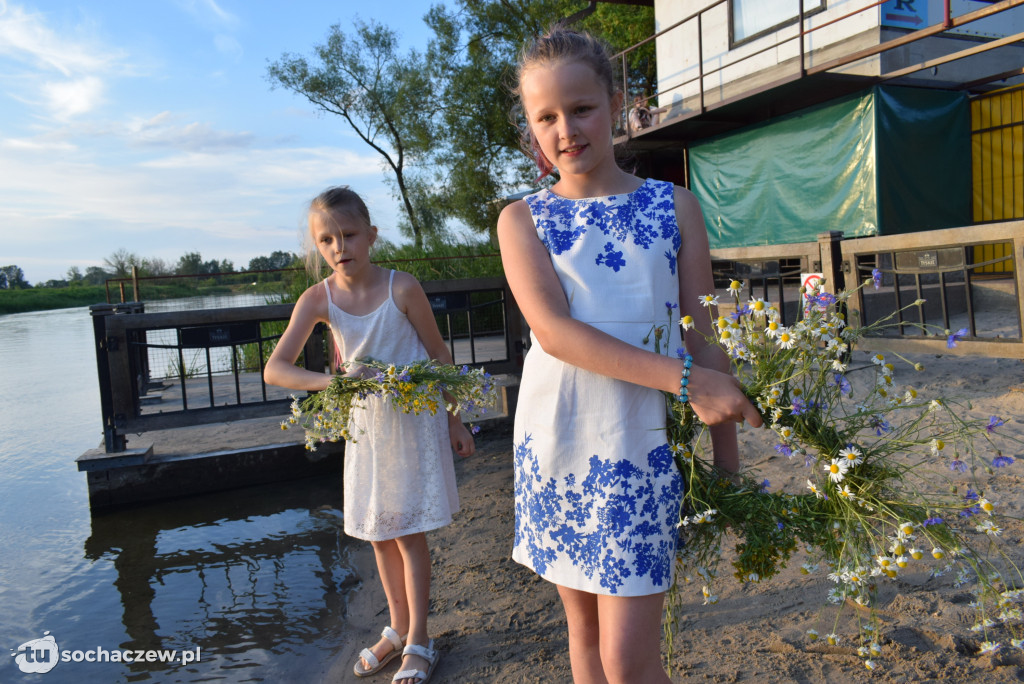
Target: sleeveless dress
column 399, row 473
column 597, row 493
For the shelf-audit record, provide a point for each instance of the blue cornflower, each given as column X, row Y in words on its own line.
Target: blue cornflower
column 971, row 495
column 779, row 526
column 843, row 384
column 740, row 313
column 670, row 306
column 1001, row 461
column 784, row 449
column 993, row 423
column 765, row 484
column 956, row 337
column 681, row 352
column 880, row 425
column 876, row 278
column 826, row 299
column 799, row 406
column 932, row 521
column 464, row 370
column 475, row 429
column 968, row 512
column 958, row 466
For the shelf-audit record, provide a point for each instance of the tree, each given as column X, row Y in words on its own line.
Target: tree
column 13, row 278
column 121, row 263
column 190, row 263
column 474, row 52
column 74, row 275
column 94, row 275
column 386, row 98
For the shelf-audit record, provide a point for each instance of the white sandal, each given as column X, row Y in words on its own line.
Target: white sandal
column 376, row 665
column 428, row 653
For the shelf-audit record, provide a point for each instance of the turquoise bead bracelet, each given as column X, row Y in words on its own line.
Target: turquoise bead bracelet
column 684, row 381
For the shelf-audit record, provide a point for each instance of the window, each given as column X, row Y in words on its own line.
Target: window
column 752, row 18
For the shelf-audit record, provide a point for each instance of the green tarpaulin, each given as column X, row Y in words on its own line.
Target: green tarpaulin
column 865, row 165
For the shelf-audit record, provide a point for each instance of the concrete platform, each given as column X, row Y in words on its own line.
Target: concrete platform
column 176, row 462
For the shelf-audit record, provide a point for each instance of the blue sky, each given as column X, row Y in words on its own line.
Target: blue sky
column 151, row 126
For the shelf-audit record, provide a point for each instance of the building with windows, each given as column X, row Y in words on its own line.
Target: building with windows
column 794, row 117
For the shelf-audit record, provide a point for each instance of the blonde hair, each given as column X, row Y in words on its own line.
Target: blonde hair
column 339, row 199
column 558, row 45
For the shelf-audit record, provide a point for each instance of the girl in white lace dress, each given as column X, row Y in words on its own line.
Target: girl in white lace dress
column 594, row 262
column 399, row 478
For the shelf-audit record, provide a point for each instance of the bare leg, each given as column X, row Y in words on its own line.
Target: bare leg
column 416, row 563
column 581, row 615
column 392, row 575
column 631, row 638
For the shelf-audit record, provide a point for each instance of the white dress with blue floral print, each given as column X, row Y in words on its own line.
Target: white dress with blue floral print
column 597, row 493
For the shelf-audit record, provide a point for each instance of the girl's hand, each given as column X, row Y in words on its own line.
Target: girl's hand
column 358, row 371
column 718, row 398
column 462, row 440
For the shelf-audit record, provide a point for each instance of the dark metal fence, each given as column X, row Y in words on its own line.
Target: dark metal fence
column 182, row 368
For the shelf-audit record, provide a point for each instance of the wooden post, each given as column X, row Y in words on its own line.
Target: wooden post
column 832, row 260
column 135, row 285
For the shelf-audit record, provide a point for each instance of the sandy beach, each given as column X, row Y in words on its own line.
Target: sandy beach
column 495, row 621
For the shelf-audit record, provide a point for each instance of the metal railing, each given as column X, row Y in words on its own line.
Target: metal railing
column 230, row 346
column 948, row 268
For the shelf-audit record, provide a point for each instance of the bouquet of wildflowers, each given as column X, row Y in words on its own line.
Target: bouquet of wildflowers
column 880, row 499
column 326, row 416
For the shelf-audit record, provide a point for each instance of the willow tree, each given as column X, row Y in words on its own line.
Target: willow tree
column 385, row 97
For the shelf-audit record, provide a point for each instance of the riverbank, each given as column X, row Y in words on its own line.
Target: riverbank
column 495, row 621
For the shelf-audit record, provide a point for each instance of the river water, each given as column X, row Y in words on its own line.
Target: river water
column 252, row 583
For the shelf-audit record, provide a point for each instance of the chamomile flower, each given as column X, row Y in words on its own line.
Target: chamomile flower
column 708, row 300
column 812, row 634
column 901, row 561
column 836, row 470
column 1017, row 643
column 989, row 528
column 870, row 664
column 986, row 505
column 814, row 489
column 686, row 322
column 758, row 306
column 832, row 639
column 989, row 647
column 808, row 568
column 878, row 359
column 851, row 456
column 735, row 287
column 937, row 553
column 773, row 329
column 937, row 445
column 786, row 339
column 905, row 529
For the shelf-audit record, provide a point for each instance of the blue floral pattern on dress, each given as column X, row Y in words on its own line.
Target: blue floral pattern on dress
column 611, row 258
column 603, row 521
column 640, row 217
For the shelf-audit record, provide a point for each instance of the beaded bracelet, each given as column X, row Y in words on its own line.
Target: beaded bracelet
column 684, row 381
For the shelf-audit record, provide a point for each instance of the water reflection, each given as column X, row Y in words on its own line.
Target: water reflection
column 255, row 578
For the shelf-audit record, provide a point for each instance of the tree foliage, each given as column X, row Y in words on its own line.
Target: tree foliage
column 385, row 97
column 474, row 52
column 13, row 278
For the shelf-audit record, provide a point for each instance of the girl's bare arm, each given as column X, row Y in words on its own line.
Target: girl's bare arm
column 281, row 369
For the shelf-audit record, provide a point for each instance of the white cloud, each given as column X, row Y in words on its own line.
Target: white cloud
column 209, row 14
column 67, row 99
column 79, row 64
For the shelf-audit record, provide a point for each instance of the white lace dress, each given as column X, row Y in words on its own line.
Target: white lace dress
column 597, row 493
column 399, row 475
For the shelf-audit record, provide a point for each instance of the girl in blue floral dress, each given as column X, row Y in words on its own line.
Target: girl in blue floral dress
column 594, row 262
